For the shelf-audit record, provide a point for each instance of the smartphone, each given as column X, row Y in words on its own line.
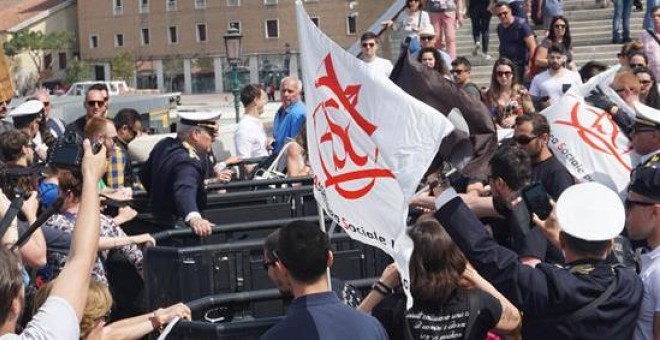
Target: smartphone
column 537, row 200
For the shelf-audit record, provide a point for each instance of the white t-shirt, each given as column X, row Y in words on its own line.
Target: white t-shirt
column 250, row 138
column 55, row 320
column 381, row 65
column 650, row 276
column 545, row 85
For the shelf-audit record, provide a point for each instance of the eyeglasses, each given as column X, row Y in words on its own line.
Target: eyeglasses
column 425, row 38
column 273, row 254
column 637, row 65
column 524, row 140
column 504, row 73
column 458, row 71
column 94, row 103
column 628, row 203
column 560, row 26
column 368, row 44
column 503, row 14
column 638, row 128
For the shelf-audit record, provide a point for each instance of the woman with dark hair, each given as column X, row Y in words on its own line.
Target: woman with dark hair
column 430, row 57
column 506, row 99
column 559, row 32
column 648, row 95
column 111, row 236
column 446, row 291
column 409, row 22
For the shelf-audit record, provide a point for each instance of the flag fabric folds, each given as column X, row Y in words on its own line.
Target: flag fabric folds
column 369, row 143
column 470, row 150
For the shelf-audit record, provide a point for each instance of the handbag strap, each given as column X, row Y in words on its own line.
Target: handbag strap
column 585, row 310
column 649, row 31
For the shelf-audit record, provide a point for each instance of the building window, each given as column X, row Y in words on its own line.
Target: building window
column 93, row 41
column 145, row 36
column 201, row 32
column 119, row 40
column 233, row 2
column 272, row 28
column 144, row 6
column 200, row 4
column 351, row 25
column 118, row 7
column 270, row 2
column 235, row 25
column 61, row 58
column 316, row 21
column 48, row 61
column 171, row 5
column 172, row 35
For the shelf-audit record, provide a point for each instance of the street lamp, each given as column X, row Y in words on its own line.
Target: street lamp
column 233, row 49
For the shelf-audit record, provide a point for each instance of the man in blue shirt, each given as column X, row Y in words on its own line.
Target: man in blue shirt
column 297, row 258
column 291, row 115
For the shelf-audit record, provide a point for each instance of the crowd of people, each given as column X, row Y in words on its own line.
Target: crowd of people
column 486, row 263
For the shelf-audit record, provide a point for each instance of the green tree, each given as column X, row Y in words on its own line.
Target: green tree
column 123, row 66
column 78, row 70
column 36, row 44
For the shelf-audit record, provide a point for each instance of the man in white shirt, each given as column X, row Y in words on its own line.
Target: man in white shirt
column 250, row 138
column 369, row 43
column 548, row 86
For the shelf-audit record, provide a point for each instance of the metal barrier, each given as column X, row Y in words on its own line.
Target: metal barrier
column 184, row 273
column 218, row 308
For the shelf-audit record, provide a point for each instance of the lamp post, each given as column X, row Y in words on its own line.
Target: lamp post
column 233, row 49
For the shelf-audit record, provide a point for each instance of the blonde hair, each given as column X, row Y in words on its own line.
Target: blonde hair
column 98, row 304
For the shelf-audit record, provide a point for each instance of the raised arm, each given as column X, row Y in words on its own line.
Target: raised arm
column 73, row 282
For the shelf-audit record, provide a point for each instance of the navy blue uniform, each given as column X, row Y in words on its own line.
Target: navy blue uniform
column 174, row 178
column 547, row 291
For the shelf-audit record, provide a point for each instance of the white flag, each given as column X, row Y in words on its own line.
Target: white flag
column 369, row 143
column 587, row 141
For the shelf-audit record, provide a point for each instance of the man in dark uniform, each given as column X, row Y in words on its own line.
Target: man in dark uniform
column 175, row 171
column 585, row 299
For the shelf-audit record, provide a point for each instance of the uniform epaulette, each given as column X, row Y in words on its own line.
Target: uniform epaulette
column 191, row 150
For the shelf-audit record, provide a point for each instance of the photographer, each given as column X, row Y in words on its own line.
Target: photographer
column 59, row 316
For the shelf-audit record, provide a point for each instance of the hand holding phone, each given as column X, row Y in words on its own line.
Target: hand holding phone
column 537, row 200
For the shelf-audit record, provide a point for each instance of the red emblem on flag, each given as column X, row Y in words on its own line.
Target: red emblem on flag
column 351, row 169
column 601, row 135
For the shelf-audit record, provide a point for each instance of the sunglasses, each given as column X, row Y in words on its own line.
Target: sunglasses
column 368, row 44
column 642, row 128
column 504, row 73
column 560, row 26
column 628, row 203
column 524, row 140
column 426, row 38
column 637, row 65
column 94, row 103
column 503, row 14
column 458, row 71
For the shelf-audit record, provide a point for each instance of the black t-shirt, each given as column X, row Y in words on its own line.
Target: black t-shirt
column 554, row 176
column 429, row 320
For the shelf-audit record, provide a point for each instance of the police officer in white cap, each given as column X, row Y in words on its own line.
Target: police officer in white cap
column 26, row 118
column 588, row 297
column 645, row 133
column 175, row 171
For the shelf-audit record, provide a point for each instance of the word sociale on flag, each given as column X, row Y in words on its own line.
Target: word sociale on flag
column 369, row 143
column 587, row 141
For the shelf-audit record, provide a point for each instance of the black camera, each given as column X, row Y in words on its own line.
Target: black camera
column 68, row 152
